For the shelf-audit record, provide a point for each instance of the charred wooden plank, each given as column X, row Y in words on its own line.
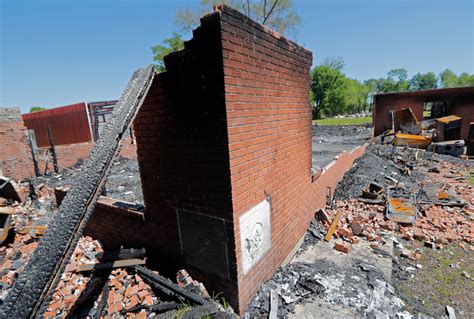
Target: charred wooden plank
column 194, row 298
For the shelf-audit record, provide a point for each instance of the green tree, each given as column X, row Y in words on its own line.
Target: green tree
column 396, row 81
column 356, row 96
column 466, row 79
column 168, row 46
column 449, row 79
column 424, row 81
column 36, row 109
column 329, row 88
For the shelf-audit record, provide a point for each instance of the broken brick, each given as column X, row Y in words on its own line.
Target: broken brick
column 343, row 247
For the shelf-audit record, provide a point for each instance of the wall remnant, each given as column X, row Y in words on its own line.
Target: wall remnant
column 224, row 142
column 450, row 101
column 15, row 155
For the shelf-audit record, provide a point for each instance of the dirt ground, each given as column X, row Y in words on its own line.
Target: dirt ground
column 443, row 278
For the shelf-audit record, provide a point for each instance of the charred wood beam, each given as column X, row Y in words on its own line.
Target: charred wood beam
column 33, row 288
column 158, row 308
column 162, row 281
column 121, row 254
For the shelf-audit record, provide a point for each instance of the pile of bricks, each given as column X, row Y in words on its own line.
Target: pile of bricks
column 361, row 221
column 13, row 258
column 112, row 296
column 435, row 226
column 74, row 288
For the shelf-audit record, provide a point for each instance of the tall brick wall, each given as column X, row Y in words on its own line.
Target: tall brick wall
column 182, row 149
column 15, row 154
column 227, row 126
column 461, row 103
column 267, row 82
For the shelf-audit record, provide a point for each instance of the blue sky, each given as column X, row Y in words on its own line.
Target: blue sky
column 57, row 52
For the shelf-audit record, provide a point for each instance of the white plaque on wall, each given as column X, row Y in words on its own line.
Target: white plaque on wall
column 255, row 234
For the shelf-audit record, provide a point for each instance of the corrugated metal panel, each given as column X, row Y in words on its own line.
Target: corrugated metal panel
column 69, row 124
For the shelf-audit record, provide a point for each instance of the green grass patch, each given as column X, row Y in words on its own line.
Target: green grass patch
column 344, row 121
column 470, row 176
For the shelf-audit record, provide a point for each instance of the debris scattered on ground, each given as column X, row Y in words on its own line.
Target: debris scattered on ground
column 95, row 283
column 437, row 187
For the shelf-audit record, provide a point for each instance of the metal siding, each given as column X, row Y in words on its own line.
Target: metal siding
column 69, row 124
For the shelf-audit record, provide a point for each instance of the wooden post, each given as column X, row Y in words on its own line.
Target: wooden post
column 53, row 151
column 33, row 148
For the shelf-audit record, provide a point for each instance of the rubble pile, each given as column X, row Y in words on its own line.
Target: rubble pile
column 92, row 285
column 436, row 226
column 29, row 220
column 74, row 289
column 444, row 198
column 443, row 202
column 13, row 258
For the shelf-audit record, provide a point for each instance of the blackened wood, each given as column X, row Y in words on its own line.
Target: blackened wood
column 52, row 149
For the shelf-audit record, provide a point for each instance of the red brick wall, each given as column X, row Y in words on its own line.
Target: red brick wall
column 384, row 104
column 115, row 225
column 464, row 107
column 267, row 79
column 228, row 124
column 15, row 153
column 461, row 102
column 68, row 155
column 181, row 134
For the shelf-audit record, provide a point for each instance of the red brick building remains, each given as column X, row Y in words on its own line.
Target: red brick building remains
column 460, row 102
column 15, row 154
column 224, row 149
column 224, row 139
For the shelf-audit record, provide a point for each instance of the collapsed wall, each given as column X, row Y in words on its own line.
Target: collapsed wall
column 15, row 153
column 224, row 149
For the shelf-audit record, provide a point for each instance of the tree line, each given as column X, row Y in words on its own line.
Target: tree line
column 334, row 93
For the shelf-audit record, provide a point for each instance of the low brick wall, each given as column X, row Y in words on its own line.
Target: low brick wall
column 68, row 155
column 15, row 154
column 114, row 222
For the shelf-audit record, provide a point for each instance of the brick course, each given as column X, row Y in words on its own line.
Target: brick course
column 70, row 154
column 15, row 155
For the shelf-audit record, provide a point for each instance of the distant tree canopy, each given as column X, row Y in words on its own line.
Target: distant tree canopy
column 449, row 79
column 333, row 93
column 276, row 14
column 36, row 109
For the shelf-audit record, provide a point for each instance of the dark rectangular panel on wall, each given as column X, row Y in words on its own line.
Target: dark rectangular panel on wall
column 69, row 124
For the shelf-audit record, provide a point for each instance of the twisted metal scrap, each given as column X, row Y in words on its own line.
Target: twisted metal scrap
column 33, row 288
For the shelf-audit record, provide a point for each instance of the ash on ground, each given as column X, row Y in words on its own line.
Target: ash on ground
column 330, row 141
column 351, row 275
column 123, row 180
